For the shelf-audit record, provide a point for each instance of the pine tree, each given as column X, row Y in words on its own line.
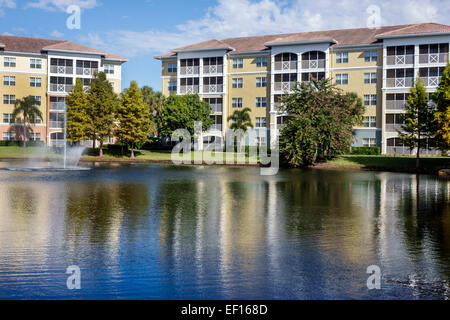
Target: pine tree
column 102, row 106
column 418, row 120
column 442, row 115
column 133, row 116
column 77, row 117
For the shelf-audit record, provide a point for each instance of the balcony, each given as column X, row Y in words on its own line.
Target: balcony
column 61, row 70
column 216, row 127
column 399, row 82
column 398, row 151
column 190, row 70
column 396, row 60
column 86, row 71
column 57, row 106
column 393, row 127
column 433, row 58
column 313, row 64
column 189, row 89
column 395, row 104
column 213, row 88
column 60, row 87
column 214, row 69
column 216, row 108
column 56, row 124
column 284, row 86
column 286, row 66
column 431, row 81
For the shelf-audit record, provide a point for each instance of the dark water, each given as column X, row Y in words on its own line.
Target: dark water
column 162, row 232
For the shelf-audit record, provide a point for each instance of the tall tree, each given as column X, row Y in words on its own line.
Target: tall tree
column 442, row 115
column 320, row 122
column 133, row 116
column 102, row 105
column 418, row 120
column 28, row 109
column 77, row 116
column 181, row 112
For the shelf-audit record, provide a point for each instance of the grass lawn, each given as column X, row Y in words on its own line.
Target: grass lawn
column 28, row 152
column 428, row 164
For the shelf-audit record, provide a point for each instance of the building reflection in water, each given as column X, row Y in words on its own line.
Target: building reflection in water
column 210, row 232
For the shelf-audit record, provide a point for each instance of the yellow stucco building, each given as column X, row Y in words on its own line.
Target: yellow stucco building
column 380, row 65
column 47, row 69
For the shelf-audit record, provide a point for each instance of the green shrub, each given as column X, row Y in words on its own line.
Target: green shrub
column 369, row 151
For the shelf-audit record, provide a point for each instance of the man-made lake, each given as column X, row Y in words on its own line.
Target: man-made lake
column 167, row 232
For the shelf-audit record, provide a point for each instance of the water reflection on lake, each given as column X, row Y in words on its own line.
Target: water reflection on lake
column 163, row 232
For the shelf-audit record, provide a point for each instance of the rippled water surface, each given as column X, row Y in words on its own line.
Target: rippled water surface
column 163, row 232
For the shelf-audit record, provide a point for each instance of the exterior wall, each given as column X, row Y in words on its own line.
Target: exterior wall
column 22, row 73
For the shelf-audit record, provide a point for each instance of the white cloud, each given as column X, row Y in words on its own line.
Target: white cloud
column 233, row 18
column 8, row 4
column 62, row 4
column 56, row 34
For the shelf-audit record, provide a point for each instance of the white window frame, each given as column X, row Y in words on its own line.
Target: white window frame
column 236, row 103
column 237, row 83
column 370, row 122
column 172, row 67
column 35, row 63
column 8, row 118
column 371, row 56
column 369, row 142
column 238, row 63
column 9, row 136
column 342, row 57
column 9, row 81
column 370, row 78
column 261, row 82
column 35, row 82
column 108, row 68
column 9, row 62
column 261, row 62
column 342, row 78
column 370, row 100
column 9, row 99
column 172, row 86
column 261, row 102
column 261, row 122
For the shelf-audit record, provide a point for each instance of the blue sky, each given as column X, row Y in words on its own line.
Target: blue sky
column 140, row 29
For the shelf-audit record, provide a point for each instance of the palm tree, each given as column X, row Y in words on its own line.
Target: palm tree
column 241, row 120
column 29, row 110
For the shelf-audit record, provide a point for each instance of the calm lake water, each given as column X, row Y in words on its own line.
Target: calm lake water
column 167, row 232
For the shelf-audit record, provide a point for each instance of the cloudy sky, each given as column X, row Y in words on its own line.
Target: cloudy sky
column 140, row 29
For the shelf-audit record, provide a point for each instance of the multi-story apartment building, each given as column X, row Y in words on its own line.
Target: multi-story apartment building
column 47, row 69
column 379, row 64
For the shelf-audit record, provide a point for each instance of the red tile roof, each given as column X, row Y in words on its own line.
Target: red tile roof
column 343, row 37
column 38, row 45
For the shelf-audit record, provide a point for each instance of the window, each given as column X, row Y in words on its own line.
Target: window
column 9, row 136
column 369, row 142
column 261, row 102
column 8, row 118
column 237, row 83
column 342, row 78
column 108, row 68
column 35, row 136
column 370, row 56
column 10, row 62
column 35, row 63
column 38, row 99
column 261, row 141
column 261, row 62
column 370, row 99
column 9, row 81
column 261, row 122
column 342, row 57
column 172, row 86
column 172, row 67
column 370, row 122
column 9, row 99
column 261, row 82
column 236, row 102
column 370, row 77
column 238, row 63
column 35, row 82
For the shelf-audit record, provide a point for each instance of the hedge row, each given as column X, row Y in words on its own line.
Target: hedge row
column 370, row 151
column 4, row 143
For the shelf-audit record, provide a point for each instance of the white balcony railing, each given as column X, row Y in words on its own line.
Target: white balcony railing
column 215, row 69
column 285, row 65
column 216, row 108
column 189, row 89
column 431, row 81
column 395, row 104
column 313, row 64
column 394, row 127
column 284, row 86
column 213, row 88
column 398, row 151
column 399, row 82
column 433, row 58
column 61, row 70
column 191, row 70
column 216, row 127
column 56, row 124
column 86, row 71
column 60, row 87
column 400, row 59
